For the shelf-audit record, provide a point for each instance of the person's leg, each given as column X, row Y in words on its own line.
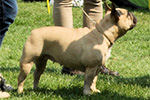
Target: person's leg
column 8, row 11
column 94, row 9
column 62, row 13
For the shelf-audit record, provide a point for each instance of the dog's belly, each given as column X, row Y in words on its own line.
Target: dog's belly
column 79, row 62
column 77, row 58
column 67, row 59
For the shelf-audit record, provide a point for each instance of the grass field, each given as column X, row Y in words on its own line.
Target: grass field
column 130, row 57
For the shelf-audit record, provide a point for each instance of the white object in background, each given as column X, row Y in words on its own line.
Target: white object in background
column 51, row 2
column 80, row 2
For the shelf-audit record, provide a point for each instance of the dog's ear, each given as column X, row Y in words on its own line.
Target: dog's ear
column 107, row 8
column 115, row 13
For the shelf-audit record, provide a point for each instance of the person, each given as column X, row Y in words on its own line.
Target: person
column 62, row 12
column 8, row 12
column 62, row 15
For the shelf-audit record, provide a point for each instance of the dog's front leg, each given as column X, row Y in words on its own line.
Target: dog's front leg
column 90, row 80
column 24, row 71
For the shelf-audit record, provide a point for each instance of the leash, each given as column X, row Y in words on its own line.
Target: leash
column 111, row 43
column 87, row 14
column 84, row 12
column 48, row 8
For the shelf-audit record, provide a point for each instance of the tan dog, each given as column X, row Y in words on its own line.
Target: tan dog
column 82, row 49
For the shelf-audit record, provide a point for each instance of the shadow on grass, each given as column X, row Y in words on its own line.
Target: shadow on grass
column 75, row 92
column 12, row 69
column 17, row 69
column 143, row 81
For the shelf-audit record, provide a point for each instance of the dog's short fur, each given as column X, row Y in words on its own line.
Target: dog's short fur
column 82, row 49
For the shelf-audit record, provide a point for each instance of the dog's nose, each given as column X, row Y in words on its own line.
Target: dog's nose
column 133, row 18
column 134, row 21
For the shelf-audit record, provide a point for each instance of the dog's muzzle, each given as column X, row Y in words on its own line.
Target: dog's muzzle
column 134, row 21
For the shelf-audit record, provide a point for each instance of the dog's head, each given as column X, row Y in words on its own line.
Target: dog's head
column 122, row 18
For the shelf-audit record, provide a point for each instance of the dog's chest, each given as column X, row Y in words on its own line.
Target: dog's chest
column 108, row 53
column 105, row 54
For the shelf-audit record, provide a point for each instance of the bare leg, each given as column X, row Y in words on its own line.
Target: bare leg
column 40, row 67
column 90, row 80
column 24, row 71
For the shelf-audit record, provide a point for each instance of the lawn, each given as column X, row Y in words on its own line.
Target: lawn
column 130, row 57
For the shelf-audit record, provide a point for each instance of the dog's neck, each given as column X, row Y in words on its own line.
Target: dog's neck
column 111, row 32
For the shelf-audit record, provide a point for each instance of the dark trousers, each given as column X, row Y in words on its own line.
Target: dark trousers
column 8, row 12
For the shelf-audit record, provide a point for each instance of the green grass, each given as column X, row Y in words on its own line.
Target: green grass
column 130, row 57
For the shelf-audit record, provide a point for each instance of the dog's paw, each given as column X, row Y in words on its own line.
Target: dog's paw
column 20, row 90
column 96, row 91
column 90, row 92
column 87, row 92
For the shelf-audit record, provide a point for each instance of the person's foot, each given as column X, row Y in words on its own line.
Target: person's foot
column 105, row 70
column 3, row 85
column 4, row 95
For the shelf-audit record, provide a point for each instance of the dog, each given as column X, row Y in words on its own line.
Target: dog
column 82, row 49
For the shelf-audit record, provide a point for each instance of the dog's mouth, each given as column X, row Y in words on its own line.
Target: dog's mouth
column 134, row 20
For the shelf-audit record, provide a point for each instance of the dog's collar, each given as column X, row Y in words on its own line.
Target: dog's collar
column 99, row 29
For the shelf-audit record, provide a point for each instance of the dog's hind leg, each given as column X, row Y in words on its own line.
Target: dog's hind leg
column 40, row 67
column 24, row 71
column 90, row 80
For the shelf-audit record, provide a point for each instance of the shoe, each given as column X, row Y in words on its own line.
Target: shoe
column 3, row 86
column 105, row 70
column 4, row 95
